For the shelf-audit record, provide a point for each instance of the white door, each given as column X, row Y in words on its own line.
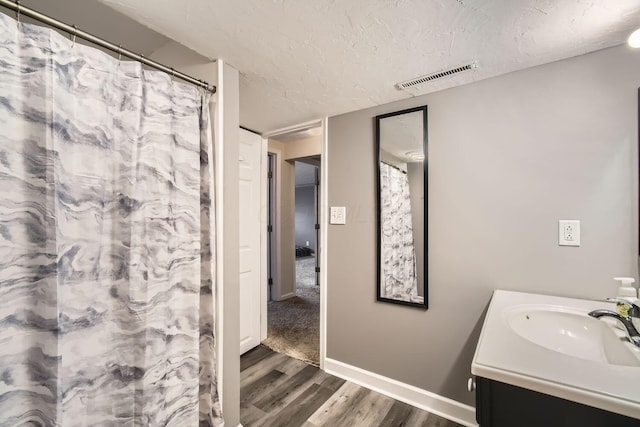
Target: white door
column 250, row 249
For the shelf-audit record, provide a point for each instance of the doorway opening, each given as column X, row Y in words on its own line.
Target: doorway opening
column 271, row 216
column 293, row 310
column 307, row 221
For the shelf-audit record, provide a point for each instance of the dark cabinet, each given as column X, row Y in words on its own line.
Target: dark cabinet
column 504, row 405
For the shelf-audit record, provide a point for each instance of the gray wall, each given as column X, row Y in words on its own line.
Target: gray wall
column 305, row 216
column 508, row 157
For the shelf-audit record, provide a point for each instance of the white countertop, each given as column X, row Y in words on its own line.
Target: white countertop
column 505, row 356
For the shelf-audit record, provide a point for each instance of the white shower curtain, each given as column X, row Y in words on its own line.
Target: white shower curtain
column 106, row 283
column 398, row 264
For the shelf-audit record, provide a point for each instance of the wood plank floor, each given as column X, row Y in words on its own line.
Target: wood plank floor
column 277, row 390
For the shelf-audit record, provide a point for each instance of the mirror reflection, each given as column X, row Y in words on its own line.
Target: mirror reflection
column 401, row 147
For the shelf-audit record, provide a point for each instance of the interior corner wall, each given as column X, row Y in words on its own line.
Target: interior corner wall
column 508, row 157
column 225, row 117
column 285, row 274
column 228, row 180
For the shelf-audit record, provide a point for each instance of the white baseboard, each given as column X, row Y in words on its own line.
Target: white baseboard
column 414, row 396
column 287, row 296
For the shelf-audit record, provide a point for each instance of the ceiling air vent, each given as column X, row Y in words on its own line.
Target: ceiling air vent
column 441, row 74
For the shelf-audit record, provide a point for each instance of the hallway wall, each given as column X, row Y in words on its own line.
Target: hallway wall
column 285, row 274
column 305, row 216
column 305, row 201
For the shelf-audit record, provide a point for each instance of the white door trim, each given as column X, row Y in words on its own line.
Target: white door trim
column 264, row 239
column 323, row 218
column 324, row 223
column 294, row 128
column 275, row 222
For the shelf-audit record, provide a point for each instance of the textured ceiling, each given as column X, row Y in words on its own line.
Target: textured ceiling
column 304, row 59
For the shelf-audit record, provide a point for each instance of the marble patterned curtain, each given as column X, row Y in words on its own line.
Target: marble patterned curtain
column 398, row 265
column 106, row 282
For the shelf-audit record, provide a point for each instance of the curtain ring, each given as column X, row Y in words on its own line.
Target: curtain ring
column 119, row 54
column 18, row 11
column 75, row 34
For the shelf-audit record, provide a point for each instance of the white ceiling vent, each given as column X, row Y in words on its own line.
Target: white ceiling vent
column 439, row 75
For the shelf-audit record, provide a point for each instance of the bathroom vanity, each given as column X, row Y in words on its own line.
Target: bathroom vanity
column 542, row 361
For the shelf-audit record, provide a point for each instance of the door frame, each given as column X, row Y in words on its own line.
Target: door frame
column 324, row 197
column 264, row 238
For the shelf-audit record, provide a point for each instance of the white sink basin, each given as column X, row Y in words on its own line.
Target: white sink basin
column 550, row 345
column 570, row 332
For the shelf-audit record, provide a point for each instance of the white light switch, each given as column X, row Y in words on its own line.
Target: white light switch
column 568, row 232
column 338, row 215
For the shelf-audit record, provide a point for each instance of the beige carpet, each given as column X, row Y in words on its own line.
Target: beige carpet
column 294, row 324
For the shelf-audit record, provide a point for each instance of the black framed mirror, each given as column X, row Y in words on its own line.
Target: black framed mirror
column 401, row 164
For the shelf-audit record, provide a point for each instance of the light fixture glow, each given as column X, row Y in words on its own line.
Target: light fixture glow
column 634, row 39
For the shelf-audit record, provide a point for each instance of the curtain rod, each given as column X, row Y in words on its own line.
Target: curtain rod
column 23, row 10
column 393, row 166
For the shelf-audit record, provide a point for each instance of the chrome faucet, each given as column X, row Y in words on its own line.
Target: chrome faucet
column 627, row 322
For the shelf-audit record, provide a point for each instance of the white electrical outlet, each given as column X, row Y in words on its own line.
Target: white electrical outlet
column 568, row 232
column 338, row 215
